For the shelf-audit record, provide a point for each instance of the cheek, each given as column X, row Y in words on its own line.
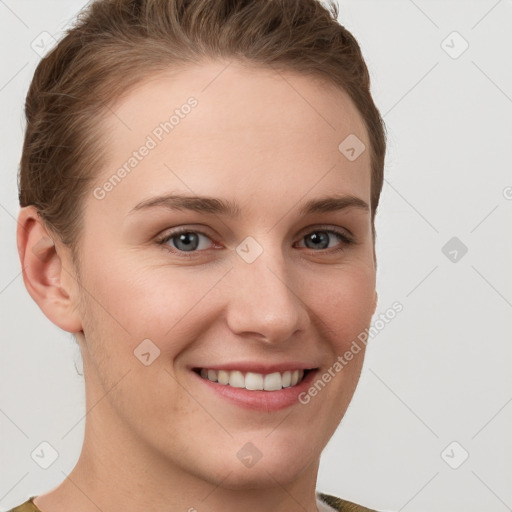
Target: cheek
column 344, row 303
column 135, row 300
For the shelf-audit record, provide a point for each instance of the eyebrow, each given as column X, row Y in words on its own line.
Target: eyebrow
column 213, row 205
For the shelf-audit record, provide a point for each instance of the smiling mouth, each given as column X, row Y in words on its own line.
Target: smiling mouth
column 254, row 381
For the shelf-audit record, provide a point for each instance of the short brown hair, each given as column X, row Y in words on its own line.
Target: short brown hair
column 115, row 44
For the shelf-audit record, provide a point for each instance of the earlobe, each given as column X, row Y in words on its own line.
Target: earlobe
column 49, row 278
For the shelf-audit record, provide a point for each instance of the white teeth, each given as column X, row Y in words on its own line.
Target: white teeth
column 223, row 377
column 236, row 379
column 287, row 379
column 272, row 382
column 254, row 381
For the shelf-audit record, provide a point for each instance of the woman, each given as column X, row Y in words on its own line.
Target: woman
column 198, row 188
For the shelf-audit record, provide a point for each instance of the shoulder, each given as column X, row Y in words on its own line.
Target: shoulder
column 27, row 506
column 342, row 505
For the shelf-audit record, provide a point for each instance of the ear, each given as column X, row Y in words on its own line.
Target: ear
column 49, row 276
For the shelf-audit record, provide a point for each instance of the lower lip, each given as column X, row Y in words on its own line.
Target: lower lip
column 260, row 400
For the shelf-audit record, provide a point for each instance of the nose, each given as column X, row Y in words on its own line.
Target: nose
column 266, row 301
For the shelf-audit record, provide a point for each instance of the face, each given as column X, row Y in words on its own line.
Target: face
column 264, row 276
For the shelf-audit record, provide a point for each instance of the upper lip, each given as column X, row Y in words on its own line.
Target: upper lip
column 263, row 368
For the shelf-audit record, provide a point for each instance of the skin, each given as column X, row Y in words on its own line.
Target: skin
column 155, row 437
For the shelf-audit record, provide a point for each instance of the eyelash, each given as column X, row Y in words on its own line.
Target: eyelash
column 346, row 240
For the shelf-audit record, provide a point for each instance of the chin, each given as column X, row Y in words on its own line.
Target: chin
column 271, row 464
column 263, row 475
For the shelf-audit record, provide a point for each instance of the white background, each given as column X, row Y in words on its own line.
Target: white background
column 440, row 371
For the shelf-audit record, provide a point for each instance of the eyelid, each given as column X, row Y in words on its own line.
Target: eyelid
column 162, row 239
column 328, row 227
column 344, row 234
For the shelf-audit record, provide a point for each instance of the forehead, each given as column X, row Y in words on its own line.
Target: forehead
column 229, row 127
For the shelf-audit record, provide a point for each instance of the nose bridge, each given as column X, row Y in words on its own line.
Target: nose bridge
column 264, row 301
